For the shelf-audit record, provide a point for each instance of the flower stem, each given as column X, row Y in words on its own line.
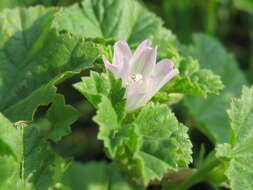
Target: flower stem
column 200, row 174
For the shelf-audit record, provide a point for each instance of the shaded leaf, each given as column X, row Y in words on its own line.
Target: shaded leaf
column 33, row 55
column 95, row 175
column 122, row 20
column 33, row 164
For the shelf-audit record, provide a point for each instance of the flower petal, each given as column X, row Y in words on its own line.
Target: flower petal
column 113, row 68
column 135, row 95
column 162, row 73
column 144, row 45
column 122, row 53
column 144, row 62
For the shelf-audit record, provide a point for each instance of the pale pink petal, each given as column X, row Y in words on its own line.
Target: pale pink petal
column 124, row 72
column 135, row 95
column 162, row 73
column 144, row 45
column 144, row 63
column 122, row 53
column 113, row 68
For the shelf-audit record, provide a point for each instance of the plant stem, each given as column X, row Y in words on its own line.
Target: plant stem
column 211, row 17
column 200, row 174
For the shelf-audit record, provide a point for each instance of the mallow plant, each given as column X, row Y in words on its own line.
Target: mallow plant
column 132, row 75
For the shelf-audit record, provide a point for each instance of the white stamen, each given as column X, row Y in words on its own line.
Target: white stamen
column 134, row 78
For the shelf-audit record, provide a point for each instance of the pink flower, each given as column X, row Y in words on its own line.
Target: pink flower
column 140, row 74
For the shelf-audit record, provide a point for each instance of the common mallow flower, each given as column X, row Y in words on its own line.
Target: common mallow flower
column 140, row 74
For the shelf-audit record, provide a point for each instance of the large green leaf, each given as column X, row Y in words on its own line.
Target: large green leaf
column 124, row 20
column 31, row 163
column 210, row 112
column 238, row 152
column 32, row 55
column 95, row 176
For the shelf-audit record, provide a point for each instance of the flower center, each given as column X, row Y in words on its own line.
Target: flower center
column 134, row 78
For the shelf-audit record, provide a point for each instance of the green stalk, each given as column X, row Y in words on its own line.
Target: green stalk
column 200, row 174
column 211, row 17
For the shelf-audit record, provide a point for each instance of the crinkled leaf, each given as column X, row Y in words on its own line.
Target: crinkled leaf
column 106, row 93
column 106, row 118
column 32, row 55
column 98, row 85
column 124, row 20
column 95, row 175
column 210, row 112
column 239, row 151
column 193, row 80
column 165, row 144
column 33, row 165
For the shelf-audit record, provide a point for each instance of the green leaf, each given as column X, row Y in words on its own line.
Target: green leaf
column 33, row 164
column 60, row 117
column 210, row 112
column 122, row 20
column 193, row 80
column 165, row 144
column 238, row 153
column 95, row 175
column 106, row 93
column 106, row 118
column 32, row 55
column 98, row 85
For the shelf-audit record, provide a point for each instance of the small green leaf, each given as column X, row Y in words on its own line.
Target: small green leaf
column 238, row 153
column 106, row 93
column 98, row 85
column 191, row 79
column 106, row 118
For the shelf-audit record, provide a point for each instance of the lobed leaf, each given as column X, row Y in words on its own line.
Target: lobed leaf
column 238, row 152
column 163, row 146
